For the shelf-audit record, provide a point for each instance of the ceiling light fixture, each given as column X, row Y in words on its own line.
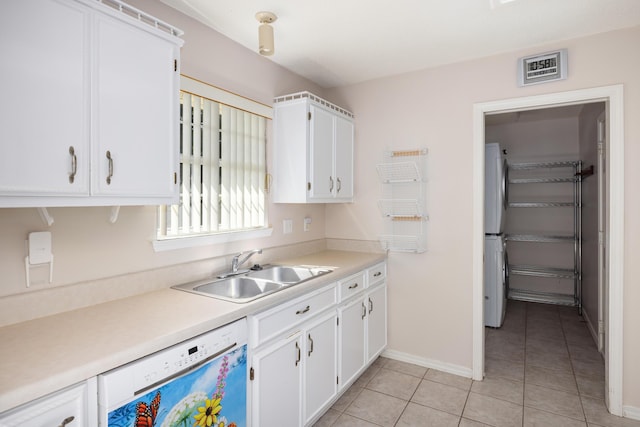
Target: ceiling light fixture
column 265, row 33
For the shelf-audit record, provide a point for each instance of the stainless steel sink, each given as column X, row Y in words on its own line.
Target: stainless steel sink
column 253, row 284
column 287, row 274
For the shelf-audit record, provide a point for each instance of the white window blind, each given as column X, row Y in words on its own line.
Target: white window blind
column 222, row 171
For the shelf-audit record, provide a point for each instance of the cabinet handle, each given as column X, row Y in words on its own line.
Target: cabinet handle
column 66, row 421
column 330, row 184
column 307, row 308
column 355, row 285
column 370, row 306
column 311, row 342
column 378, row 274
column 110, row 167
column 339, row 184
column 74, row 165
column 297, row 353
column 364, row 311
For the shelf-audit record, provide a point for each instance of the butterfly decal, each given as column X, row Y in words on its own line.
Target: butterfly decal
column 146, row 413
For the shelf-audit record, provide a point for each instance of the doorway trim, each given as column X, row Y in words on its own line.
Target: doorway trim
column 613, row 96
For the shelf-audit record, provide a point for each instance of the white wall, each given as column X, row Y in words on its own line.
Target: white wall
column 430, row 295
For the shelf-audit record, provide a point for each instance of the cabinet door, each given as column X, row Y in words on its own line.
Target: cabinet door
column 376, row 321
column 344, row 159
column 351, row 332
column 135, row 112
column 321, row 173
column 277, row 384
column 45, row 98
column 320, row 365
column 72, row 407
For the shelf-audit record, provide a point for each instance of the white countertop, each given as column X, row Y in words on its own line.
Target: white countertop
column 47, row 354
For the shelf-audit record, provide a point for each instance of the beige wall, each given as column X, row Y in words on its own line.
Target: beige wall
column 430, row 295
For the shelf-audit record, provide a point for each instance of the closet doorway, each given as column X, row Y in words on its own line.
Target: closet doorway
column 602, row 288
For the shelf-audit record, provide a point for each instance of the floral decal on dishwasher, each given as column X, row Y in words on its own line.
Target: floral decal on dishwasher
column 213, row 395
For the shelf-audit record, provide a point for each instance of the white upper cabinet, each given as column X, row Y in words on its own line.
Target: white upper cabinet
column 313, row 151
column 44, row 108
column 90, row 115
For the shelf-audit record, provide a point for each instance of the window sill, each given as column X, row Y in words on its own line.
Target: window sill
column 172, row 243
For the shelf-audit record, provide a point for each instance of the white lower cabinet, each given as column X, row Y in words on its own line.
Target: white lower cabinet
column 294, row 378
column 363, row 332
column 276, row 380
column 376, row 321
column 75, row 406
column 352, row 339
column 320, row 365
column 306, row 351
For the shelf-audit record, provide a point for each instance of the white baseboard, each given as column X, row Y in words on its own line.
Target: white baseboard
column 631, row 412
column 429, row 363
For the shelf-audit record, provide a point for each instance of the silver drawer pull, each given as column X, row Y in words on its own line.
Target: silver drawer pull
column 331, row 184
column 307, row 308
column 110, row 167
column 339, row 184
column 370, row 306
column 378, row 274
column 355, row 285
column 74, row 165
column 297, row 354
column 311, row 345
column 67, row 421
column 364, row 311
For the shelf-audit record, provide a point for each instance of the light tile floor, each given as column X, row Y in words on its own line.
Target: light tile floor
column 542, row 369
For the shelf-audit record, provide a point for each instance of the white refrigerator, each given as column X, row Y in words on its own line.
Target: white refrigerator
column 496, row 277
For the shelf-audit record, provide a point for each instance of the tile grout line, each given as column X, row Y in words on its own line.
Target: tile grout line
column 575, row 380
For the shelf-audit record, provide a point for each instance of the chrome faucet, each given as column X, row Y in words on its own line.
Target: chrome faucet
column 237, row 262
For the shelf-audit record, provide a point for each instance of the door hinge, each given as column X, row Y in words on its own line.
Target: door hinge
column 337, row 321
column 175, row 178
column 175, row 65
column 337, row 379
column 309, row 115
column 251, row 374
column 308, row 186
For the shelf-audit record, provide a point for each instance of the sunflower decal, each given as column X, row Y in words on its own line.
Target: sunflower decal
column 207, row 415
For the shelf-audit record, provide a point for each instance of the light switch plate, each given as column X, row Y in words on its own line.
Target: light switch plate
column 287, row 226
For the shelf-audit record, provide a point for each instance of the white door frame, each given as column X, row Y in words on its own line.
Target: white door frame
column 613, row 96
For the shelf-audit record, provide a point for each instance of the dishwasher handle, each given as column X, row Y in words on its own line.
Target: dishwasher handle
column 185, row 370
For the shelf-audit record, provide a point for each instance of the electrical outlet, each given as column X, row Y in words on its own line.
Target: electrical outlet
column 307, row 224
column 287, row 226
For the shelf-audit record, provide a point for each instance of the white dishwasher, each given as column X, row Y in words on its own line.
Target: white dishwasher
column 199, row 382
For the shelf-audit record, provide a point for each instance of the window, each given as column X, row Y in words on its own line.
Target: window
column 222, row 165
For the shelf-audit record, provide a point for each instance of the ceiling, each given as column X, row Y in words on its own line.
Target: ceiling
column 341, row 42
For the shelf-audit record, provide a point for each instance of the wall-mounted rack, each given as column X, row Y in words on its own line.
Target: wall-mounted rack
column 402, row 175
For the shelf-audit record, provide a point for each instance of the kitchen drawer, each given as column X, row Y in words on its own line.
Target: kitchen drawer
column 376, row 273
column 270, row 323
column 73, row 406
column 350, row 286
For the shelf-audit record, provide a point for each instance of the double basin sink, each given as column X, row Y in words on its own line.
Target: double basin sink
column 252, row 284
